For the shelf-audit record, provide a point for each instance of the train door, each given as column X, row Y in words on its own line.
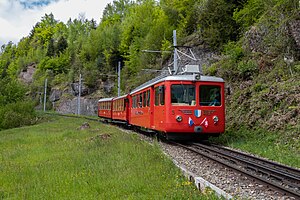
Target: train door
column 127, row 109
column 152, row 111
column 159, row 107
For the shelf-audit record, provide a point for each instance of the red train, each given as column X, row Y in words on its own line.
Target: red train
column 180, row 106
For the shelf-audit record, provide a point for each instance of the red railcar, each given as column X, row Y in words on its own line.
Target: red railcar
column 120, row 109
column 180, row 106
column 105, row 108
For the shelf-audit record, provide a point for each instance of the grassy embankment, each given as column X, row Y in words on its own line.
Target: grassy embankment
column 263, row 119
column 55, row 160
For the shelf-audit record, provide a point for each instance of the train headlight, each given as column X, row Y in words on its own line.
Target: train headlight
column 178, row 118
column 216, row 119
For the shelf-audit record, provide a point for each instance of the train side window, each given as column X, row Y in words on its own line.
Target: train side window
column 148, row 97
column 132, row 105
column 141, row 100
column 156, row 96
column 134, row 101
column 210, row 95
column 162, row 95
column 144, row 99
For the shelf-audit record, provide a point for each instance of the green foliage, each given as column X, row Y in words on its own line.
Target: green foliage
column 297, row 68
column 11, row 91
column 216, row 24
column 250, row 13
column 43, row 31
column 115, row 12
column 182, row 14
column 234, row 51
column 247, row 67
column 57, row 65
column 17, row 114
column 60, row 79
column 15, row 109
column 91, row 75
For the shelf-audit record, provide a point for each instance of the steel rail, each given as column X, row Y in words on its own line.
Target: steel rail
column 232, row 162
column 273, row 167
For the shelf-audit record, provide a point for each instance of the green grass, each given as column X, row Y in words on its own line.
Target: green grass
column 55, row 160
column 275, row 146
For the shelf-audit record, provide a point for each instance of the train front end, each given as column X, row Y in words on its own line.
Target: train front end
column 195, row 106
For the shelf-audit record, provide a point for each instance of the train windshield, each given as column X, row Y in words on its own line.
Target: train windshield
column 210, row 95
column 183, row 95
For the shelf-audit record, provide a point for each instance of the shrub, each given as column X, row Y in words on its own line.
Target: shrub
column 247, row 68
column 16, row 115
column 234, row 51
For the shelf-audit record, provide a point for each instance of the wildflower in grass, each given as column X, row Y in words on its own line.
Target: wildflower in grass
column 186, row 183
column 208, row 191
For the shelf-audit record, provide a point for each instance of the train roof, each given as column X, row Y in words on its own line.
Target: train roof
column 120, row 97
column 105, row 99
column 186, row 77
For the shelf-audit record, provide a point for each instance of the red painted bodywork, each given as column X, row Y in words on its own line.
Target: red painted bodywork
column 140, row 115
column 120, row 108
column 104, row 108
column 167, row 122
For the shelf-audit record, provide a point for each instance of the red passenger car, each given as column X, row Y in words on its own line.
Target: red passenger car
column 105, row 108
column 120, row 109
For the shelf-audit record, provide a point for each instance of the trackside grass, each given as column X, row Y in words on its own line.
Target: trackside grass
column 56, row 160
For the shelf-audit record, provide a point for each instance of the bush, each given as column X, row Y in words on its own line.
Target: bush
column 247, row 67
column 16, row 115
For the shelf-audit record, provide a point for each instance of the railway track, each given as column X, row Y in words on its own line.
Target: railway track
column 281, row 178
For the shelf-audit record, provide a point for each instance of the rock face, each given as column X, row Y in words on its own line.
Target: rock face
column 253, row 40
column 66, row 100
column 88, row 106
column 27, row 74
column 295, row 31
column 55, row 95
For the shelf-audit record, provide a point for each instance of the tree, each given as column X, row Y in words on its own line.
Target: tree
column 216, row 24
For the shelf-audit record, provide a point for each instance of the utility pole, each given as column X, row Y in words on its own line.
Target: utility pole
column 175, row 68
column 119, row 78
column 79, row 93
column 45, row 94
